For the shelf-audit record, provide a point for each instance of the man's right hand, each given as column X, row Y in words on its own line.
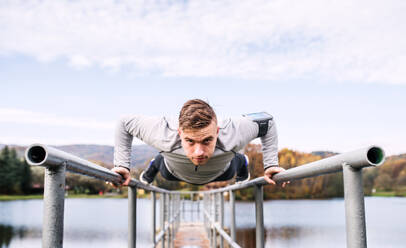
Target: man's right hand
column 272, row 171
column 125, row 173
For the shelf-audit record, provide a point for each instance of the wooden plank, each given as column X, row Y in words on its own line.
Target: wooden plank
column 191, row 234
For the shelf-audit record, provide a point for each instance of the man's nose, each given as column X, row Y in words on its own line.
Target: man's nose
column 199, row 150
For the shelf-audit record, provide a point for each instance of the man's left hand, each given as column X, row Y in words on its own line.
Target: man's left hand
column 272, row 171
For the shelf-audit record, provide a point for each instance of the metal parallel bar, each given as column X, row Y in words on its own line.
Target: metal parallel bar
column 232, row 215
column 259, row 214
column 153, row 199
column 42, row 155
column 354, row 207
column 54, row 201
column 132, row 217
column 369, row 156
column 221, row 196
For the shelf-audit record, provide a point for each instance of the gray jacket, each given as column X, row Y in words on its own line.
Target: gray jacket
column 161, row 133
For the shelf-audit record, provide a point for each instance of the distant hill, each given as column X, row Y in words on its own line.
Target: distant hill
column 324, row 154
column 141, row 154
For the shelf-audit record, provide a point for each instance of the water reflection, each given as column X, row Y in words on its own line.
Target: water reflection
column 285, row 232
column 246, row 237
column 8, row 233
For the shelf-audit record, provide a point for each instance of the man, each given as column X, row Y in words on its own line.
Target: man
column 196, row 149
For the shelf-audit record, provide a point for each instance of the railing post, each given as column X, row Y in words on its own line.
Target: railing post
column 198, row 207
column 215, row 220
column 259, row 214
column 132, row 217
column 221, row 195
column 232, row 215
column 168, row 211
column 163, row 217
column 54, row 200
column 173, row 212
column 354, row 207
column 183, row 208
column 177, row 212
column 191, row 207
column 209, row 219
column 153, row 199
column 204, row 213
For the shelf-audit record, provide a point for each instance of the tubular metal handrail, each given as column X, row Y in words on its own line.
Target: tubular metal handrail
column 57, row 162
column 42, row 155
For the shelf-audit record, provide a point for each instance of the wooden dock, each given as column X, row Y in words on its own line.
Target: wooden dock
column 191, row 234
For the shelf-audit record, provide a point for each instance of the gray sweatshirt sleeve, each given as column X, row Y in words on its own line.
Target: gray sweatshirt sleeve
column 128, row 127
column 270, row 146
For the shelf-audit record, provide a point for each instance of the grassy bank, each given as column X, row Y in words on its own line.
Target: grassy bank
column 19, row 197
column 30, row 197
column 389, row 194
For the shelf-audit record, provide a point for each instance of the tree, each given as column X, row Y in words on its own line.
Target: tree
column 15, row 174
column 384, row 182
column 6, row 173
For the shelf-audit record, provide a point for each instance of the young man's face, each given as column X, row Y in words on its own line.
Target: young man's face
column 199, row 144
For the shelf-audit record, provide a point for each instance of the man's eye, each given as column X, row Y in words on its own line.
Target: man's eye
column 206, row 142
column 189, row 141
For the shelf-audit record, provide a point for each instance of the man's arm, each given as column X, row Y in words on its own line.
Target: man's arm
column 270, row 153
column 270, row 146
column 128, row 127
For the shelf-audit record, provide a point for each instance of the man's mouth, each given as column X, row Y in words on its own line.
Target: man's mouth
column 202, row 159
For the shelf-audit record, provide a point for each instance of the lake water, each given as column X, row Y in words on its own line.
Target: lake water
column 293, row 223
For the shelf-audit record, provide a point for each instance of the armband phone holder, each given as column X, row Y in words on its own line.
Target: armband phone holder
column 262, row 119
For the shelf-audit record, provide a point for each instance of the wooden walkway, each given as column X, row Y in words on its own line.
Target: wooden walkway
column 191, row 234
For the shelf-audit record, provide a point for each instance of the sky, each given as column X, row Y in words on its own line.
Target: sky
column 332, row 73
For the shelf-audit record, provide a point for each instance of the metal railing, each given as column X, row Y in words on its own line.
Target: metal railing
column 56, row 162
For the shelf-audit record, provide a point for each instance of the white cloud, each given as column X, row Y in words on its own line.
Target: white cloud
column 20, row 116
column 331, row 40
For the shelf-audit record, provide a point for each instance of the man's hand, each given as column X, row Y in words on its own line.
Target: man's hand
column 125, row 173
column 272, row 171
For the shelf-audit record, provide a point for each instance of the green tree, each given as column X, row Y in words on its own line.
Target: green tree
column 6, row 175
column 15, row 174
column 26, row 178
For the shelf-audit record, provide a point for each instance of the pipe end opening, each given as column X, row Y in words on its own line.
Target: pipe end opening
column 376, row 156
column 36, row 154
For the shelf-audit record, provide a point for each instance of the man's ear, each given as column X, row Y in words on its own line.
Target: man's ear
column 218, row 129
column 179, row 132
